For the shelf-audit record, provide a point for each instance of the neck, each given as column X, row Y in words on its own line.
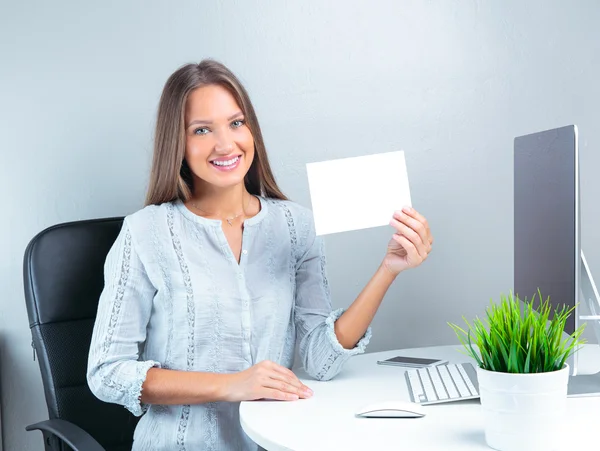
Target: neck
column 221, row 202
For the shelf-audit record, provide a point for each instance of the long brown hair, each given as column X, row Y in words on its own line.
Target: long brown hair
column 171, row 177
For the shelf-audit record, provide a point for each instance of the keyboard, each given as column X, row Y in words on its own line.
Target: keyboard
column 442, row 383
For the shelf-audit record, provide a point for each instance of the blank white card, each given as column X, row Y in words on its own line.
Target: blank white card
column 358, row 192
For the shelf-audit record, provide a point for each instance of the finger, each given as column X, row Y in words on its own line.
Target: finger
column 290, row 377
column 415, row 225
column 270, row 393
column 281, row 385
column 295, row 386
column 411, row 251
column 286, row 384
column 283, row 370
column 285, row 374
column 413, row 237
column 409, row 211
column 419, row 217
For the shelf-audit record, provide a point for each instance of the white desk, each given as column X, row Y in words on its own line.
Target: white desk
column 327, row 421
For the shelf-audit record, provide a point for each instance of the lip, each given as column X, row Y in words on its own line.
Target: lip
column 229, row 168
column 227, row 158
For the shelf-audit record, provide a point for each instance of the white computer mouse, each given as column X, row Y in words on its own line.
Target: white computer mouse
column 392, row 409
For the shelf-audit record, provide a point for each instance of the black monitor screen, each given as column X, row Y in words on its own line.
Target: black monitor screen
column 545, row 226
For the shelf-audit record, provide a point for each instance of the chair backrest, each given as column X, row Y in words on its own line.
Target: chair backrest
column 63, row 271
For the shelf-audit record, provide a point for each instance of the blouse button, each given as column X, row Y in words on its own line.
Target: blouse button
column 245, row 252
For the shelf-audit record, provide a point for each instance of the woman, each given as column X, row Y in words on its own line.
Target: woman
column 210, row 287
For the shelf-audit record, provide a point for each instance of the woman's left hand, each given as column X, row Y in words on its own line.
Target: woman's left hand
column 411, row 244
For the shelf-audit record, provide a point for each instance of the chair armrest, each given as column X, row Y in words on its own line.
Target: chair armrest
column 69, row 433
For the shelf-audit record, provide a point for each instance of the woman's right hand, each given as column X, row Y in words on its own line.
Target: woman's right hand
column 265, row 380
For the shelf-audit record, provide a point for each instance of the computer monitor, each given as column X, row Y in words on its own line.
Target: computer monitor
column 547, row 245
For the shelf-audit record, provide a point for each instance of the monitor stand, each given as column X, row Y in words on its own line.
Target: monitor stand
column 587, row 384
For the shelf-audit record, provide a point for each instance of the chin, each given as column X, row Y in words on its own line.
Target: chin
column 225, row 180
column 226, row 183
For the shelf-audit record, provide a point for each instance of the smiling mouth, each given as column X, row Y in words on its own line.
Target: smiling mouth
column 226, row 163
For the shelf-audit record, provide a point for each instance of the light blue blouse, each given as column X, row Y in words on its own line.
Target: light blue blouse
column 175, row 297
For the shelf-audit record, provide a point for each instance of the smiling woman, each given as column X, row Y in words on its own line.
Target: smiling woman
column 210, row 287
column 219, row 151
column 218, row 117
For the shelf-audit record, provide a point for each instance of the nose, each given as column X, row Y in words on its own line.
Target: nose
column 224, row 143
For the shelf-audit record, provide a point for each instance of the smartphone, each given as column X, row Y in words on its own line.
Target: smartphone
column 411, row 362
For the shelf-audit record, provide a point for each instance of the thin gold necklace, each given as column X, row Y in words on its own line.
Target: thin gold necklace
column 193, row 204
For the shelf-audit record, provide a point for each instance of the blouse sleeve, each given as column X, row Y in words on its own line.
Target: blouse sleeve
column 115, row 372
column 322, row 354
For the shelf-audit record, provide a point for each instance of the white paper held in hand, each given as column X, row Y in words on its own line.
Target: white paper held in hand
column 357, row 192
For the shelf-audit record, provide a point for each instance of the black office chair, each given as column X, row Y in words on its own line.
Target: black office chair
column 63, row 273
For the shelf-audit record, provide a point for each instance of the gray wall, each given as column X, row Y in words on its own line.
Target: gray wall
column 450, row 82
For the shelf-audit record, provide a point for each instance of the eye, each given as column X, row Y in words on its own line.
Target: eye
column 238, row 123
column 201, row 131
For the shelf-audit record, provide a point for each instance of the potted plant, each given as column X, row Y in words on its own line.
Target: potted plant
column 522, row 370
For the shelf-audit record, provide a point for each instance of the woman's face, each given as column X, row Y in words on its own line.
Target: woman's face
column 219, row 146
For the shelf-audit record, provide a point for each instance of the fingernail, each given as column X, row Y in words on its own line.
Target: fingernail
column 407, row 209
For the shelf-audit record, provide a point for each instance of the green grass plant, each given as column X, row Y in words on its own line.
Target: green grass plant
column 516, row 337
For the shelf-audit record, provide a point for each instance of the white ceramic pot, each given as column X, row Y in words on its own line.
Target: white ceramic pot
column 523, row 412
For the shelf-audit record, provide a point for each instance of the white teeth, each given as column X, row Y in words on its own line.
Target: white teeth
column 226, row 163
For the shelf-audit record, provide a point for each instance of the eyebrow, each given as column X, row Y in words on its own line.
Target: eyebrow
column 201, row 122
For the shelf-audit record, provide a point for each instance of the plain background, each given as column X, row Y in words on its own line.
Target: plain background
column 450, row 82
